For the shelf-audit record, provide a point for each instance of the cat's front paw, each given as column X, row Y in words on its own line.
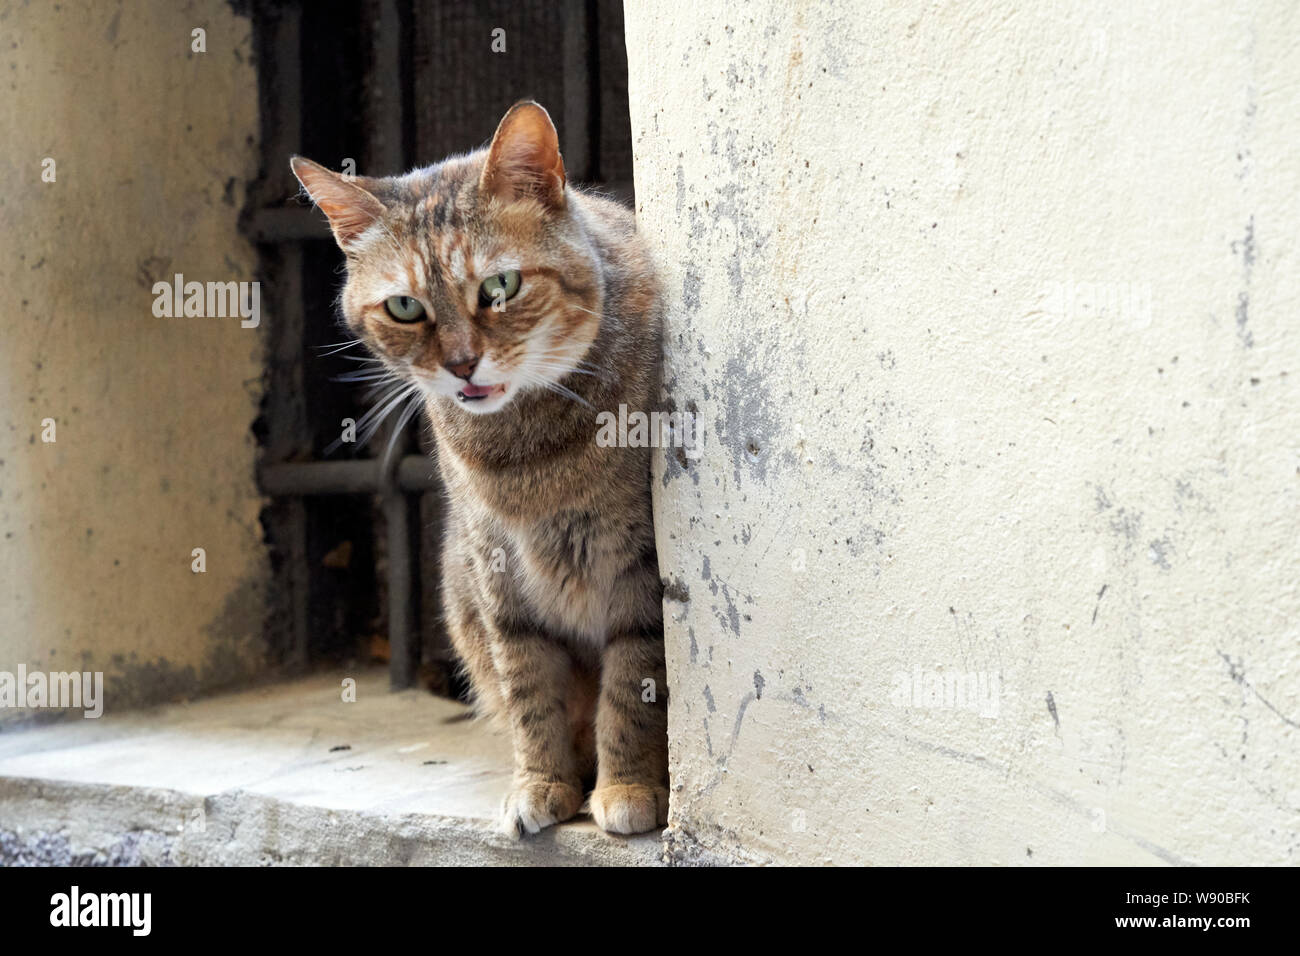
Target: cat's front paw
column 533, row 805
column 629, row 807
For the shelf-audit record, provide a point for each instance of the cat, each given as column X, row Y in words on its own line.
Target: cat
column 517, row 308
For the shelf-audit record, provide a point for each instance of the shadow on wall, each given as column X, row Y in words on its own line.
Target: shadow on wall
column 126, row 441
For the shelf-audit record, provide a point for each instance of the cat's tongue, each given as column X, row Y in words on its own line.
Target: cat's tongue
column 478, row 391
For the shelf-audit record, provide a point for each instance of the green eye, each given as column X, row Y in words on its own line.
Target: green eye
column 404, row 308
column 498, row 288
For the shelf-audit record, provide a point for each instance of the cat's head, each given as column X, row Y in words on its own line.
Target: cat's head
column 472, row 278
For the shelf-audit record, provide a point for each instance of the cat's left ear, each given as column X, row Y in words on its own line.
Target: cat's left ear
column 524, row 158
column 350, row 209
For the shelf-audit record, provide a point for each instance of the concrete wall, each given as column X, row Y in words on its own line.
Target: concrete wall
column 988, row 311
column 152, row 146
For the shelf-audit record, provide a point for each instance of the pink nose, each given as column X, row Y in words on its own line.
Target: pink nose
column 462, row 368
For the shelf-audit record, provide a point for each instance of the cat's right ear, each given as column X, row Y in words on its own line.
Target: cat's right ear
column 350, row 209
column 524, row 159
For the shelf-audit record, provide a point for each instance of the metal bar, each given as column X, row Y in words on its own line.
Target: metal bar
column 403, row 660
column 415, row 474
column 384, row 154
column 285, row 408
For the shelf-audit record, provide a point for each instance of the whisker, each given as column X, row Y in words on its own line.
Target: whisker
column 554, row 365
column 561, row 353
column 567, row 393
column 411, row 409
column 543, row 366
column 381, row 401
column 376, row 420
column 362, row 422
column 372, row 375
column 336, row 347
column 534, row 379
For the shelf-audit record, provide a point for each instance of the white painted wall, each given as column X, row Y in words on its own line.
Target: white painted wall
column 989, row 314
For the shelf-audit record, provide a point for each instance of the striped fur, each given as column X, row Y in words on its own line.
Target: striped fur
column 550, row 579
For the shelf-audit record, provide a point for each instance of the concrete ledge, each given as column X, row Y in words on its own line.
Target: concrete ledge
column 283, row 775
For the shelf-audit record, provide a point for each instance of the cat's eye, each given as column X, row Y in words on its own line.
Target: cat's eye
column 498, row 288
column 404, row 308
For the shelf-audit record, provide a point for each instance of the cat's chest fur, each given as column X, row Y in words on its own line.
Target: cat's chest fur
column 567, row 567
column 576, row 563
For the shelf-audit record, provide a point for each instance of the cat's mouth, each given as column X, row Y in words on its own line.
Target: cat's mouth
column 476, row 393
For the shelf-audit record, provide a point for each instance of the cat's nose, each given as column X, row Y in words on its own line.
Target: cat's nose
column 462, row 367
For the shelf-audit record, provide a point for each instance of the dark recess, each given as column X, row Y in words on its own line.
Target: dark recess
column 349, row 552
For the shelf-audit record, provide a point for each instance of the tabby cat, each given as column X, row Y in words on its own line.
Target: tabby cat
column 518, row 307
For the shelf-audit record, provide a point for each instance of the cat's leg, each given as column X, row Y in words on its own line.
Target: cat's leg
column 536, row 677
column 469, row 635
column 631, row 794
column 470, row 639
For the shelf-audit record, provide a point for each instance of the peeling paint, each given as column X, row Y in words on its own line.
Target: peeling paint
column 924, row 455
